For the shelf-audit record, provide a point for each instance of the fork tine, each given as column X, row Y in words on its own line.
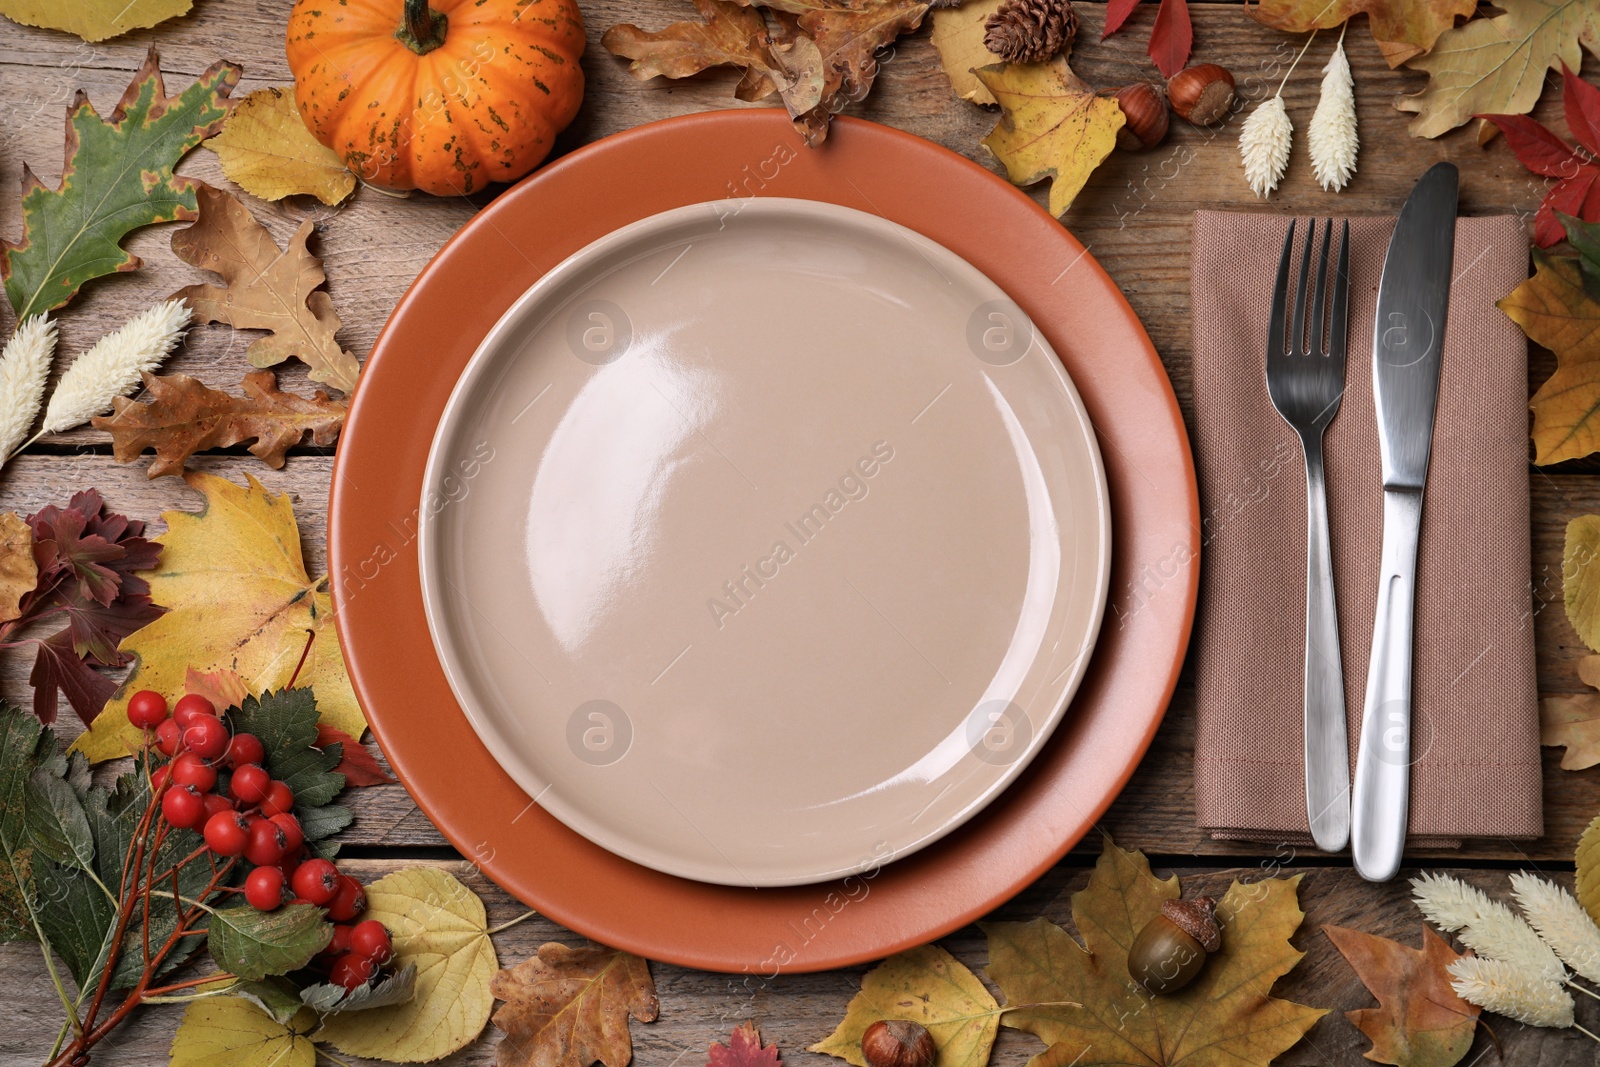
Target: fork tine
column 1319, row 303
column 1280, row 295
column 1297, row 336
column 1341, row 296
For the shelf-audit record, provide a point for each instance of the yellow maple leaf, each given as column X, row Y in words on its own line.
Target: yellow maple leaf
column 232, row 1032
column 234, row 582
column 958, row 36
column 1587, row 880
column 19, row 573
column 265, row 148
column 439, row 925
column 93, row 20
column 1497, row 66
column 1052, row 125
column 1555, row 310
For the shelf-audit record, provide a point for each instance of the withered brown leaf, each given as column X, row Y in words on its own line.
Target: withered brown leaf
column 185, row 416
column 266, row 289
column 568, row 1007
column 1419, row 1020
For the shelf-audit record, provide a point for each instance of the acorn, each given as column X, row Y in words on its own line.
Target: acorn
column 1173, row 947
column 1145, row 110
column 1202, row 94
column 897, row 1043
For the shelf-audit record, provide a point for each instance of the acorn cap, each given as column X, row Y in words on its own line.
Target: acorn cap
column 1197, row 918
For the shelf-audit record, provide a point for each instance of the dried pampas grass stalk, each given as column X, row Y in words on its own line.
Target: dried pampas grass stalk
column 114, row 365
column 23, row 369
column 1562, row 922
column 1332, row 134
column 1486, row 926
column 1505, row 988
column 1267, row 135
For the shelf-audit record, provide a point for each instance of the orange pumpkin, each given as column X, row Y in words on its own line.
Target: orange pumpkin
column 445, row 98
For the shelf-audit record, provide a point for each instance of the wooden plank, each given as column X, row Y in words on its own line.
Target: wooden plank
column 798, row 1010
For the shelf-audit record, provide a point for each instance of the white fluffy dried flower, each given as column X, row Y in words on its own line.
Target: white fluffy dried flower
column 1561, row 921
column 114, row 364
column 23, row 370
column 1332, row 133
column 1502, row 987
column 1264, row 145
column 1486, row 926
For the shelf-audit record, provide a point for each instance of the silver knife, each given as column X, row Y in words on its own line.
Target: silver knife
column 1407, row 336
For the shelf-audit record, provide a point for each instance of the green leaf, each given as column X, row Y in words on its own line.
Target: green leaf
column 286, row 723
column 117, row 177
column 56, row 821
column 24, row 744
column 255, row 944
column 77, row 920
column 1584, row 237
column 328, row 998
column 320, row 823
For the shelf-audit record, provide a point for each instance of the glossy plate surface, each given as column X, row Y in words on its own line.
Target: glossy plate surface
column 785, row 547
column 374, row 516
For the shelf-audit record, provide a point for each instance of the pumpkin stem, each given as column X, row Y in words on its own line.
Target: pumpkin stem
column 423, row 29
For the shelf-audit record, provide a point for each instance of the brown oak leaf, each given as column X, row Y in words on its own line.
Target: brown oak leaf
column 1573, row 722
column 267, row 289
column 184, row 416
column 1419, row 1020
column 744, row 1049
column 568, row 1007
column 19, row 573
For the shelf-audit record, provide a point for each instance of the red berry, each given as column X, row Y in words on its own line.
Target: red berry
column 189, row 769
column 339, row 944
column 348, row 901
column 351, row 971
column 216, row 803
column 266, row 845
column 191, row 706
column 168, row 737
column 293, row 836
column 250, row 784
column 264, row 888
column 160, row 776
column 227, row 834
column 290, row 862
column 206, row 736
column 370, row 939
column 147, row 709
column 245, row 748
column 316, row 880
column 278, row 801
column 183, row 807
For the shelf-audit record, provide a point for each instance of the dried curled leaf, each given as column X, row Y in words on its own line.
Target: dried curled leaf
column 93, row 20
column 1419, row 1020
column 19, row 574
column 266, row 289
column 570, row 1006
column 184, row 416
column 925, row 985
column 958, row 36
column 1053, row 126
column 266, row 150
column 1403, row 29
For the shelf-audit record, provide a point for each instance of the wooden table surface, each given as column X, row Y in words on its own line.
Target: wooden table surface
column 1134, row 216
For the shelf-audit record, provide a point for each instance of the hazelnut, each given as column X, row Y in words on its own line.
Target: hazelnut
column 1145, row 109
column 1202, row 94
column 1171, row 950
column 897, row 1043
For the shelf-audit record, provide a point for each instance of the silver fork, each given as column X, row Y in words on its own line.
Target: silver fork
column 1305, row 379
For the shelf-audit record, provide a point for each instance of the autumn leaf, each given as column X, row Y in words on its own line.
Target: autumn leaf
column 266, row 289
column 744, row 1049
column 1171, row 37
column 1580, row 578
column 569, row 1007
column 1586, row 882
column 439, row 925
column 1403, row 29
column 1576, row 191
column 117, row 177
column 1053, row 126
column 848, row 38
column 93, row 20
column 232, row 1032
column 266, row 149
column 1573, row 722
column 958, row 36
column 1498, row 65
column 1555, row 310
column 19, row 574
column 184, row 416
column 1419, row 1020
column 356, row 764
column 223, row 688
column 925, row 985
column 1226, row 1018
column 235, row 582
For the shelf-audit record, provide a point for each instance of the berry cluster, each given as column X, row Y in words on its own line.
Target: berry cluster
column 254, row 819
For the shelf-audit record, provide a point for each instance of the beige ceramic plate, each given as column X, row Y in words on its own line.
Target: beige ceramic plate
column 763, row 541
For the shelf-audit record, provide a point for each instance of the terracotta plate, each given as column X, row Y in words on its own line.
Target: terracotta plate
column 375, row 516
column 757, row 481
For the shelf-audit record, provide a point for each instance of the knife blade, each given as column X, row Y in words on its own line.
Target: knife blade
column 1408, row 337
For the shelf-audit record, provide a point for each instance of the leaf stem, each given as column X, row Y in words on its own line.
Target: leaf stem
column 510, row 923
column 190, row 983
column 1296, row 62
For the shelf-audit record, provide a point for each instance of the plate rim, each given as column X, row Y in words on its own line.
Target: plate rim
column 961, row 878
column 481, row 363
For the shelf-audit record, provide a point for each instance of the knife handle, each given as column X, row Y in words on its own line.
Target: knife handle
column 1381, row 805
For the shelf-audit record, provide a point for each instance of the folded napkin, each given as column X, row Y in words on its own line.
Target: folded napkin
column 1475, row 738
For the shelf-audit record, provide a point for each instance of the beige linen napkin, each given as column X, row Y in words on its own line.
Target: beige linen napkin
column 1476, row 728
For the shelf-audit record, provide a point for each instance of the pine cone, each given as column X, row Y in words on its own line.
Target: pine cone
column 1028, row 31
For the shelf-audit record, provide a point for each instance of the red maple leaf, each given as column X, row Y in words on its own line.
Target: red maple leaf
column 1576, row 173
column 744, row 1049
column 356, row 764
column 1171, row 38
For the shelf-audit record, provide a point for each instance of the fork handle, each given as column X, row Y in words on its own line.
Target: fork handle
column 1327, row 751
column 1381, row 807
